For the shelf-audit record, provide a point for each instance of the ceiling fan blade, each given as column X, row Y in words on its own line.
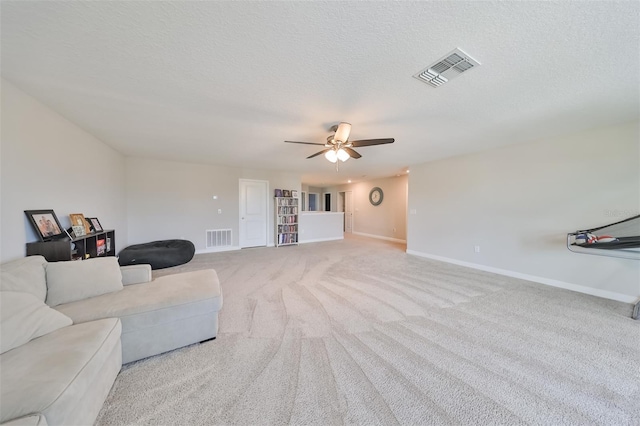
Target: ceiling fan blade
column 305, row 143
column 352, row 153
column 318, row 153
column 370, row 142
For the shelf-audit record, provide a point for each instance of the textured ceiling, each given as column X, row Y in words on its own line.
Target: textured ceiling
column 228, row 82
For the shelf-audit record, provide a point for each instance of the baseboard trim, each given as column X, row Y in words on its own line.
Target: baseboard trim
column 380, row 237
column 216, row 250
column 319, row 240
column 547, row 281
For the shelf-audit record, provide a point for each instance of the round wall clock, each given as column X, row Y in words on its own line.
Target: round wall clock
column 375, row 196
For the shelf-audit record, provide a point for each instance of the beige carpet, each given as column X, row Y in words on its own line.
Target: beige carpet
column 358, row 332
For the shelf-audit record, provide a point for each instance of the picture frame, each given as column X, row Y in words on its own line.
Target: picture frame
column 77, row 219
column 95, row 224
column 78, row 231
column 286, row 193
column 278, row 192
column 46, row 224
column 294, row 193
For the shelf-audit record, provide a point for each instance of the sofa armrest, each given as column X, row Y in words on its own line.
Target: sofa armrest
column 135, row 274
column 31, row 420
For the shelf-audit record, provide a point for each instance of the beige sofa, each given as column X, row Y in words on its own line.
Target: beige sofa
column 60, row 359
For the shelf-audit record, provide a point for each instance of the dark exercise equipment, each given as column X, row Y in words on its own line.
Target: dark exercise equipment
column 158, row 254
column 622, row 245
column 623, row 248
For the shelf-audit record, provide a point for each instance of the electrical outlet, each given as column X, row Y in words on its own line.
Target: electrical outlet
column 413, row 211
column 219, row 211
column 476, row 249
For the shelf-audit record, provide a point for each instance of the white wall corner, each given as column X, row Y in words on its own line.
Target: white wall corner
column 542, row 280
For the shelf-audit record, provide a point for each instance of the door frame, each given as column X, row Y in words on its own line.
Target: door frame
column 340, row 207
column 351, row 219
column 266, row 197
column 340, row 202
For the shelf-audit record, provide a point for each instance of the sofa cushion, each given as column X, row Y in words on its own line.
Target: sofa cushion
column 165, row 292
column 163, row 302
column 23, row 317
column 65, row 375
column 77, row 280
column 25, row 274
column 136, row 274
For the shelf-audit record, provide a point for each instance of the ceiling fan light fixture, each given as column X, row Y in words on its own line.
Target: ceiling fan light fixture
column 342, row 155
column 339, row 147
column 342, row 133
column 331, row 156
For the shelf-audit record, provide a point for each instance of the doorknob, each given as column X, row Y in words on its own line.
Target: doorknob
column 243, row 218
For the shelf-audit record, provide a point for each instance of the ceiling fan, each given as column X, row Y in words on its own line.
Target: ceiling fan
column 339, row 147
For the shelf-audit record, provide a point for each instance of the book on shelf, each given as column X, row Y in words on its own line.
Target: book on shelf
column 100, row 247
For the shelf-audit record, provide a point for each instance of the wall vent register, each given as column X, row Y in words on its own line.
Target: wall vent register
column 447, row 68
column 217, row 238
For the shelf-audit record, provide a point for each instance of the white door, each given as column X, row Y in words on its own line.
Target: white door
column 348, row 211
column 253, row 213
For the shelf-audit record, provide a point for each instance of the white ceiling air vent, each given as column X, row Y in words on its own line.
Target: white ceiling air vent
column 446, row 68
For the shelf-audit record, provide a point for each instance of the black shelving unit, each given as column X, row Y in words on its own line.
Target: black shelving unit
column 97, row 244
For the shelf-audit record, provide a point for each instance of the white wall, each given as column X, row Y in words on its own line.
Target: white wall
column 387, row 220
column 519, row 202
column 47, row 162
column 320, row 226
column 167, row 200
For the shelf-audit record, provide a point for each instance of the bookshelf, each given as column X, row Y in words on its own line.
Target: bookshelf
column 286, row 221
column 97, row 244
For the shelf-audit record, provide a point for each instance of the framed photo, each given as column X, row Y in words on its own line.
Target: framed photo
column 278, row 192
column 77, row 219
column 95, row 224
column 294, row 193
column 78, row 231
column 45, row 223
column 286, row 193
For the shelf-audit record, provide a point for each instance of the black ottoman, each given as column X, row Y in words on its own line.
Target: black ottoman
column 158, row 254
